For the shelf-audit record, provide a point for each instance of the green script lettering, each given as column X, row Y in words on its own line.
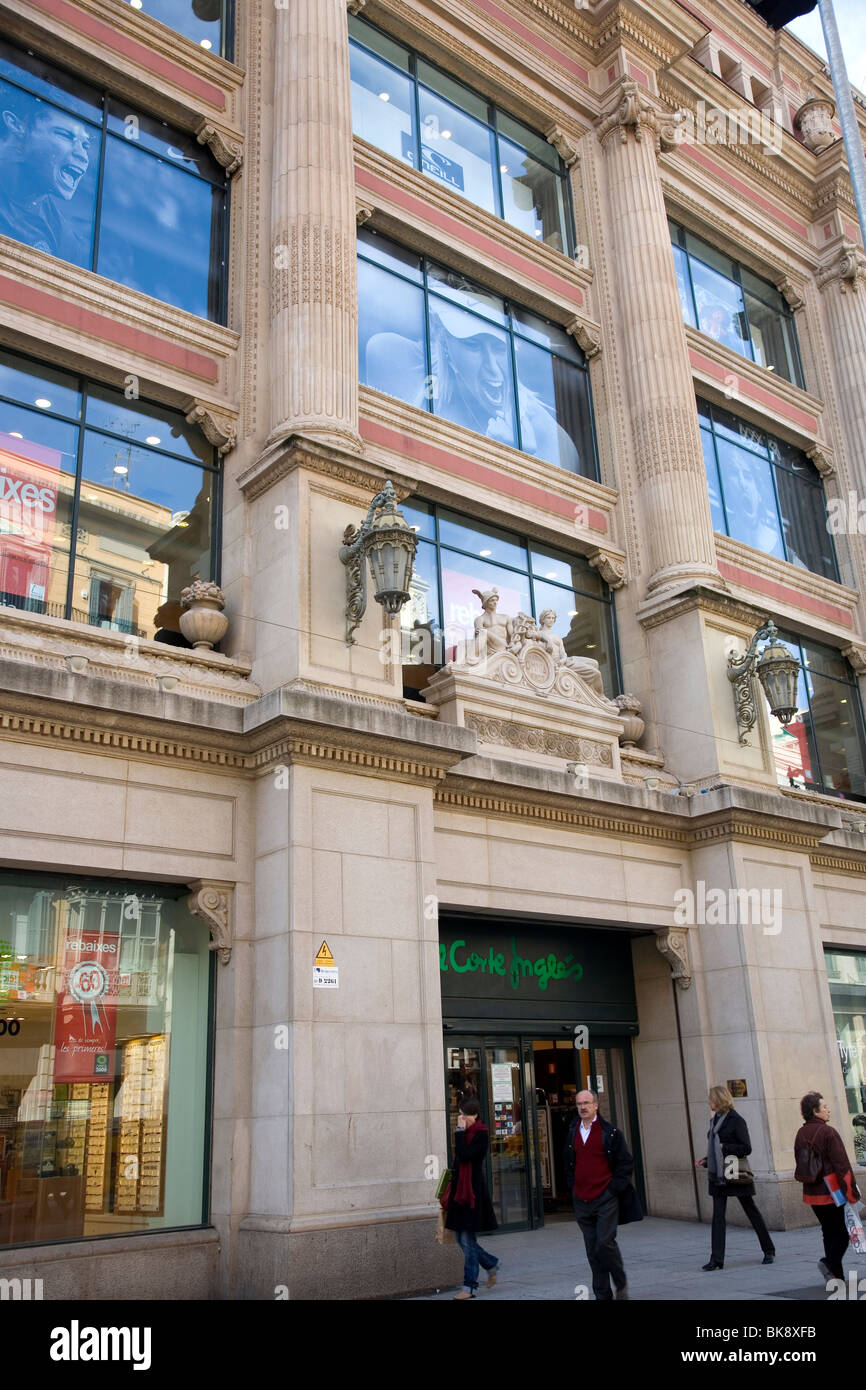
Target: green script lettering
column 543, row 970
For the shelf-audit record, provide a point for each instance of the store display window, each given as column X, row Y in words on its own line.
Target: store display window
column 206, row 22
column 846, row 974
column 104, row 1006
column 823, row 748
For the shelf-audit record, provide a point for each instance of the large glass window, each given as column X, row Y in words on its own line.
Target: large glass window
column 457, row 555
column 205, row 21
column 439, row 341
column 91, row 181
column 731, row 305
column 822, row 749
column 765, row 492
column 104, row 993
column 414, row 112
column 107, row 506
column 846, row 974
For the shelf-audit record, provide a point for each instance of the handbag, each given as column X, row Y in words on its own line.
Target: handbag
column 443, row 1235
column 744, row 1174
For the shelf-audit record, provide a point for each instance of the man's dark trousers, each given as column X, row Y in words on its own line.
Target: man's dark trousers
column 597, row 1220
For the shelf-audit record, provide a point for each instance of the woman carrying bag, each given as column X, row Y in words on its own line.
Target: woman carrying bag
column 728, row 1137
column 819, row 1152
column 467, row 1203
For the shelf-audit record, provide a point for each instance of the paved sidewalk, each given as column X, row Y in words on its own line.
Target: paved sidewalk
column 662, row 1260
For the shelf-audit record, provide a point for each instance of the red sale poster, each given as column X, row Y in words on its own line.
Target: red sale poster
column 28, row 514
column 84, row 1030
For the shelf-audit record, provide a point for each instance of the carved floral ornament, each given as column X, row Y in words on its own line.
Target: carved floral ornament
column 849, row 269
column 586, row 335
column 673, row 943
column 212, row 901
column 635, row 112
column 219, row 430
column 225, row 151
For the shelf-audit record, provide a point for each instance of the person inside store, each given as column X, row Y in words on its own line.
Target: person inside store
column 45, row 155
column 598, row 1169
column 467, row 1201
column 819, row 1152
column 728, row 1145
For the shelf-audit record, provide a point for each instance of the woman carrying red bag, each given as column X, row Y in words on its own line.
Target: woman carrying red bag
column 819, row 1151
column 467, row 1201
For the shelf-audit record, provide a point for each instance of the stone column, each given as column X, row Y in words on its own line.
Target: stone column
column 314, row 349
column 842, row 281
column 658, row 390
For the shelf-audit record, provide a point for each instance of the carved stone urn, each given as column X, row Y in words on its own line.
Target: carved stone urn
column 202, row 621
column 630, row 707
column 814, row 120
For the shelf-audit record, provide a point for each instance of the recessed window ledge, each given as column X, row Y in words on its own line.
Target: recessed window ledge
column 59, row 644
column 791, row 577
column 424, row 233
column 741, row 386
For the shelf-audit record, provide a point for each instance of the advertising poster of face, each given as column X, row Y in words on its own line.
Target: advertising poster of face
column 84, row 1032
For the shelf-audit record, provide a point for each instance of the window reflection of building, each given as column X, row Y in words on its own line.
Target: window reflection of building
column 823, row 748
column 846, row 974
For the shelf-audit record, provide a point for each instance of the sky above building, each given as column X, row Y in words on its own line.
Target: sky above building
column 851, row 18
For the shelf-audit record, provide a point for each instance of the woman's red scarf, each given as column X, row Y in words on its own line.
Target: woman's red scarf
column 464, row 1193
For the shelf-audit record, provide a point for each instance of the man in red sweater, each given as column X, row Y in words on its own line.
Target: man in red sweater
column 598, row 1169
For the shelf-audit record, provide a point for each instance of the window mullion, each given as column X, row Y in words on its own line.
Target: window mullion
column 76, row 499
column 100, row 179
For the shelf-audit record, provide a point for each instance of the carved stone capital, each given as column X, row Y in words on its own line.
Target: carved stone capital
column 611, row 570
column 355, row 6
column 673, row 943
column 564, row 147
column 586, row 335
column 632, row 112
column 856, row 657
column 212, row 901
column 791, row 293
column 227, row 152
column 822, row 459
column 849, row 269
column 363, row 213
column 218, row 430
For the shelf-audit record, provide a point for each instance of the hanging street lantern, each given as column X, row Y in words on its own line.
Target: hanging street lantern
column 777, row 669
column 385, row 540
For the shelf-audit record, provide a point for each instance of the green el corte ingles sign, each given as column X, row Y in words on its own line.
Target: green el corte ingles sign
column 513, row 967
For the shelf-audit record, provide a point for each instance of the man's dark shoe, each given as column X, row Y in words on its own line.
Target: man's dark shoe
column 714, row 1264
column 826, row 1272
column 622, row 1293
column 769, row 1257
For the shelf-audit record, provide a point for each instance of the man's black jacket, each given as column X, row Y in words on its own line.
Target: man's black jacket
column 621, row 1166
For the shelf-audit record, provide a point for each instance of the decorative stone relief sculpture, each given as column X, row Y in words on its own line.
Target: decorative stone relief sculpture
column 674, row 946
column 814, row 120
column 212, row 902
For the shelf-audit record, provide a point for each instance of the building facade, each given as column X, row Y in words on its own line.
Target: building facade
column 579, row 287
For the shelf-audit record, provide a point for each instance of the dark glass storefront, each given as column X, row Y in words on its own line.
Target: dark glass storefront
column 514, row 992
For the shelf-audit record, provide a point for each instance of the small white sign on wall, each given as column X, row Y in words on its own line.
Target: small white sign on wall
column 326, row 977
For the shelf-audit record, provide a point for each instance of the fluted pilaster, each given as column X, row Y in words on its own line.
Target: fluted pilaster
column 657, row 380
column 314, row 349
column 843, row 282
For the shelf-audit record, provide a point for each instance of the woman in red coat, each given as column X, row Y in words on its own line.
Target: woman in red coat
column 816, row 1134
column 469, row 1208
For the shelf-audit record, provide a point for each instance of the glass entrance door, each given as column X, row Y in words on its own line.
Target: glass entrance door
column 611, row 1075
column 506, row 1111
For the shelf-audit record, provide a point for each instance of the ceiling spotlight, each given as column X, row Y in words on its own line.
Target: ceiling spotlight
column 446, row 134
column 384, row 96
column 43, row 402
column 121, row 468
column 153, row 439
column 206, row 43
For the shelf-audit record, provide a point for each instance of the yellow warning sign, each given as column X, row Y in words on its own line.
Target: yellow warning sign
column 323, row 955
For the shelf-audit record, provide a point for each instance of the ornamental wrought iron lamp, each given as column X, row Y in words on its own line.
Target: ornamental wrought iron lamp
column 387, row 541
column 776, row 668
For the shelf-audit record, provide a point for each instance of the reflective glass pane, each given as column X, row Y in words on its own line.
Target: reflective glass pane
column 30, row 382
column 49, row 159
column 391, row 335
column 572, row 570
column 159, row 230
column 453, row 92
column 148, row 525
column 721, row 313
column 179, row 150
column 450, row 284
column 374, row 39
column 146, row 423
column 846, row 973
column 36, row 486
column 388, row 254
column 488, row 542
column 419, row 618
column 585, row 628
column 708, row 256
column 533, row 196
column 712, row 470
column 461, row 574
column 792, row 753
column 825, row 661
column 683, row 286
column 546, row 334
column 419, row 515
column 763, row 290
column 471, row 372
column 554, row 409
column 102, row 1110
column 740, row 432
column 836, row 728
column 382, row 105
column 457, row 150
column 772, row 339
column 527, row 140
column 200, row 20
column 749, row 499
column 804, row 518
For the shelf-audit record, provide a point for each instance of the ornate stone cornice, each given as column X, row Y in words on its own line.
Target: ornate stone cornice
column 633, row 113
column 290, row 750
column 673, row 943
column 281, row 459
column 68, row 731
column 219, row 430
column 212, row 901
column 587, row 336
column 838, row 863
column 848, row 270
column 227, row 152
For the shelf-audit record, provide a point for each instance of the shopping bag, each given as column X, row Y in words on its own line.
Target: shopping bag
column 443, row 1184
column 856, row 1234
column 443, row 1235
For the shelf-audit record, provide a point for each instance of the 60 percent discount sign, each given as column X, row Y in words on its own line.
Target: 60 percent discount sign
column 84, row 1031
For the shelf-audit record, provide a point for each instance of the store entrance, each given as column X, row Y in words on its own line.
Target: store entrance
column 526, row 1086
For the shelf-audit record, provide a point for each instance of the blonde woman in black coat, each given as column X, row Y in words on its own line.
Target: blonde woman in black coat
column 728, row 1137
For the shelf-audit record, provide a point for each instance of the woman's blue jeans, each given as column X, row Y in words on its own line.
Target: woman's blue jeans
column 473, row 1256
